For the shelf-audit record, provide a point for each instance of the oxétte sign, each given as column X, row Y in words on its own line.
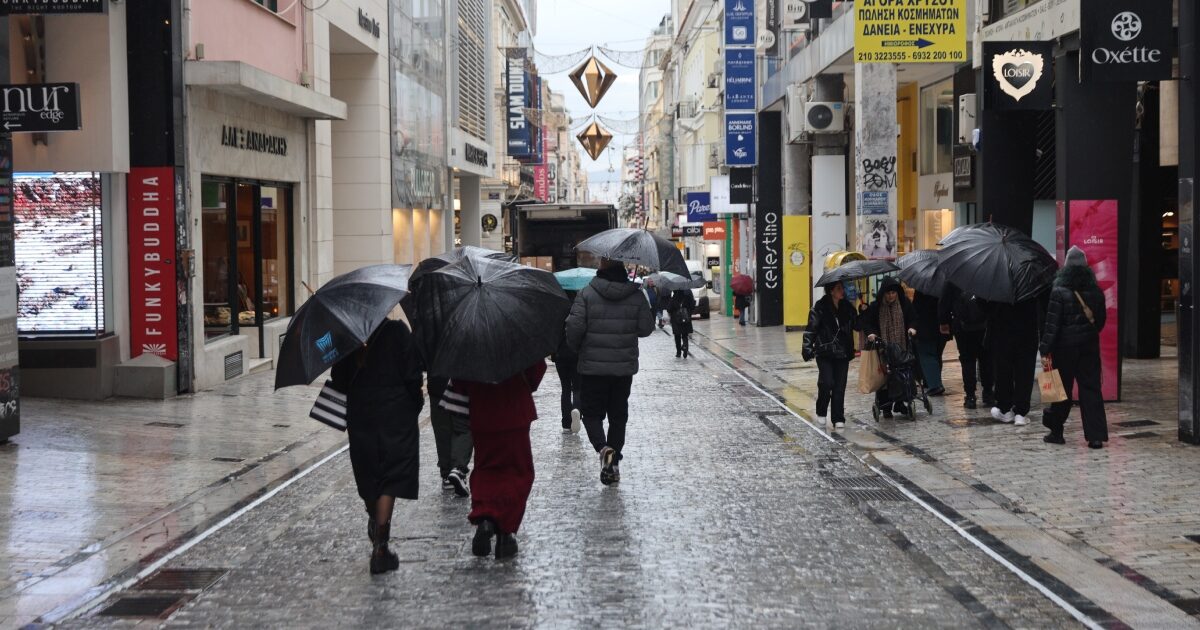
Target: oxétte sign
column 1126, row 40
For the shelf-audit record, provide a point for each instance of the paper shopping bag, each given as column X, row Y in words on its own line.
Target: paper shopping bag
column 1050, row 382
column 871, row 375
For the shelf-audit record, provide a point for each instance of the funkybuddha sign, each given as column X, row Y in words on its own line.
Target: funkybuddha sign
column 907, row 31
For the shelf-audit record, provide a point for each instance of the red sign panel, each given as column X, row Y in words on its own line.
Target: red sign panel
column 1093, row 228
column 714, row 231
column 152, row 311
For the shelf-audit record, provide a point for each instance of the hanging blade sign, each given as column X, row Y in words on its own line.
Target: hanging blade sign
column 39, row 107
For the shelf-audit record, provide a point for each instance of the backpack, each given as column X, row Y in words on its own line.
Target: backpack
column 969, row 314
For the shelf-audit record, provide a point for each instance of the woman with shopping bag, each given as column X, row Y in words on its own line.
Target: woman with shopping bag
column 829, row 338
column 1071, row 344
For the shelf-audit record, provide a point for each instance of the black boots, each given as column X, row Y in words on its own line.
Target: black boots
column 506, row 546
column 970, row 403
column 382, row 558
column 989, row 398
column 1054, row 437
column 482, row 544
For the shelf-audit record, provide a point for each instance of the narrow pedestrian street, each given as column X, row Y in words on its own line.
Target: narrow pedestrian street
column 731, row 512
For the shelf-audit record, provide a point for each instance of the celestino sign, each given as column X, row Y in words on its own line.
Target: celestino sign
column 152, row 311
column 1017, row 75
column 1126, row 40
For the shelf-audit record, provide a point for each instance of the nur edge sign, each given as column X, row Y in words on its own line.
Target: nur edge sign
column 38, row 107
column 1126, row 40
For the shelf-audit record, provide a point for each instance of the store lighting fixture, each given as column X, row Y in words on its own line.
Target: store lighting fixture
column 1168, row 213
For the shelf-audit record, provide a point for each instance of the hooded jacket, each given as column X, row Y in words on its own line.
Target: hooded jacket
column 1066, row 323
column 871, row 319
column 605, row 322
column 830, row 331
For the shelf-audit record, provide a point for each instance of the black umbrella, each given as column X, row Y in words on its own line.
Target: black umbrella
column 856, row 270
column 484, row 320
column 433, row 263
column 919, row 270
column 337, row 320
column 639, row 247
column 996, row 263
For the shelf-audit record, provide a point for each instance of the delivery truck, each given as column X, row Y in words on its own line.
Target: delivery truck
column 545, row 235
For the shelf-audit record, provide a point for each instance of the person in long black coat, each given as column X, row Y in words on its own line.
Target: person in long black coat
column 680, row 309
column 1013, row 337
column 890, row 301
column 931, row 343
column 962, row 315
column 382, row 382
column 829, row 338
column 1071, row 343
column 566, row 363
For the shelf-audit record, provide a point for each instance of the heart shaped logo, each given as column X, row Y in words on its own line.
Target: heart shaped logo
column 1018, row 72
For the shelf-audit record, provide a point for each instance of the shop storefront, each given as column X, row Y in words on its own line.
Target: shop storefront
column 935, row 188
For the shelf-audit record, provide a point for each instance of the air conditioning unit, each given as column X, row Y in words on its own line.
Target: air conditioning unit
column 966, row 117
column 795, row 113
column 825, row 117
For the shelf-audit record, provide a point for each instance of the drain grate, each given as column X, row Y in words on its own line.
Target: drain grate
column 1143, row 434
column 180, row 580
column 233, row 460
column 1137, row 423
column 169, row 425
column 857, row 482
column 875, row 494
column 154, row 606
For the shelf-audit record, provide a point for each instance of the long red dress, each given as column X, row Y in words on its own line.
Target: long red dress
column 500, row 419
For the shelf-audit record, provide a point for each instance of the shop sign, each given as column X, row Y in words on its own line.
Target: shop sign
column 721, row 204
column 1092, row 226
column 964, row 171
column 795, row 12
column 693, row 230
column 52, row 7
column 739, row 22
column 797, row 270
column 152, row 310
column 489, row 222
column 1018, row 75
column 741, row 185
column 712, row 261
column 676, row 231
column 1126, row 40
column 257, row 141
column 714, row 231
column 739, row 79
column 519, row 137
column 769, row 270
column 39, row 107
column 699, row 208
column 368, row 23
column 475, row 155
column 740, row 149
column 769, row 38
column 924, row 31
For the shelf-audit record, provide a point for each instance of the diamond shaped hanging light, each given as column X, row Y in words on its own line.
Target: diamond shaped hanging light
column 594, row 139
column 593, row 79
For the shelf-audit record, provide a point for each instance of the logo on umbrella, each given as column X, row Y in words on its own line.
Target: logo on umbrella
column 325, row 345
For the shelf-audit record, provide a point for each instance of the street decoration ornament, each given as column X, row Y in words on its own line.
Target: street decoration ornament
column 593, row 79
column 594, row 139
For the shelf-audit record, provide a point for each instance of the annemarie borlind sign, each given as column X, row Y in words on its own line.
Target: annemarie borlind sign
column 38, row 107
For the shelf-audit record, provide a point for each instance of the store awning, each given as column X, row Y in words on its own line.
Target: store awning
column 259, row 86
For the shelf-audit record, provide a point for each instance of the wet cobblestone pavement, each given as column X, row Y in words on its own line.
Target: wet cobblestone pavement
column 731, row 513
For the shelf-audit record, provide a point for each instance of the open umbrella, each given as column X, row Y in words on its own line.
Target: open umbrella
column 741, row 284
column 575, row 279
column 996, row 263
column 337, row 320
column 484, row 320
column 639, row 247
column 856, row 270
column 669, row 281
column 919, row 270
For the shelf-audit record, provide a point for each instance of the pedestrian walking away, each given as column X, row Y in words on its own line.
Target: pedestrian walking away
column 566, row 363
column 1013, row 335
column 606, row 320
column 891, row 319
column 681, row 307
column 1071, row 344
column 931, row 343
column 742, row 304
column 501, row 415
column 451, row 435
column 829, row 338
column 382, row 381
column 962, row 315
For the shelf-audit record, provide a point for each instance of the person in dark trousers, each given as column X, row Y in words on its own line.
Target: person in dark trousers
column 1071, row 343
column 931, row 343
column 741, row 303
column 382, row 382
column 566, row 363
column 829, row 338
column 1013, row 335
column 606, row 320
column 501, row 415
column 452, row 436
column 892, row 319
column 681, row 306
column 962, row 315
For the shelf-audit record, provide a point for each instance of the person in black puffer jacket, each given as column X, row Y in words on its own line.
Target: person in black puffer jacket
column 606, row 320
column 962, row 315
column 1071, row 343
column 829, row 338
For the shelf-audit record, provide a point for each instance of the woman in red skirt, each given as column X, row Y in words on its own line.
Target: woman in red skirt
column 503, row 476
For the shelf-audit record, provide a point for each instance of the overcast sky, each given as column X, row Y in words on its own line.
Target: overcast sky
column 566, row 26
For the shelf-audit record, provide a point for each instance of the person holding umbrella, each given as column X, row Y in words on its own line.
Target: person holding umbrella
column 743, row 288
column 892, row 319
column 680, row 308
column 829, row 338
column 931, row 343
column 962, row 314
column 606, row 320
column 1071, row 343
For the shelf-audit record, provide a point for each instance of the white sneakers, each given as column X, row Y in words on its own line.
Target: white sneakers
column 822, row 421
column 575, row 421
column 839, row 425
column 1020, row 420
column 1000, row 416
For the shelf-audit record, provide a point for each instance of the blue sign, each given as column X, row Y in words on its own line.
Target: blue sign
column 516, row 100
column 739, row 79
column 699, row 208
column 739, row 23
column 873, row 202
column 740, row 139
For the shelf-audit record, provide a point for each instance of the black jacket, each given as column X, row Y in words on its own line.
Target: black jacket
column 605, row 322
column 870, row 324
column 830, row 334
column 926, row 308
column 961, row 311
column 1066, row 323
column 680, row 308
column 386, row 373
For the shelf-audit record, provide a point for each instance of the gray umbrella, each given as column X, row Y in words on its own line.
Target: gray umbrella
column 638, row 247
column 856, row 270
column 919, row 270
column 672, row 281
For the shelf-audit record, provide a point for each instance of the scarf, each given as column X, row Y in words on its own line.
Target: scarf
column 891, row 322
